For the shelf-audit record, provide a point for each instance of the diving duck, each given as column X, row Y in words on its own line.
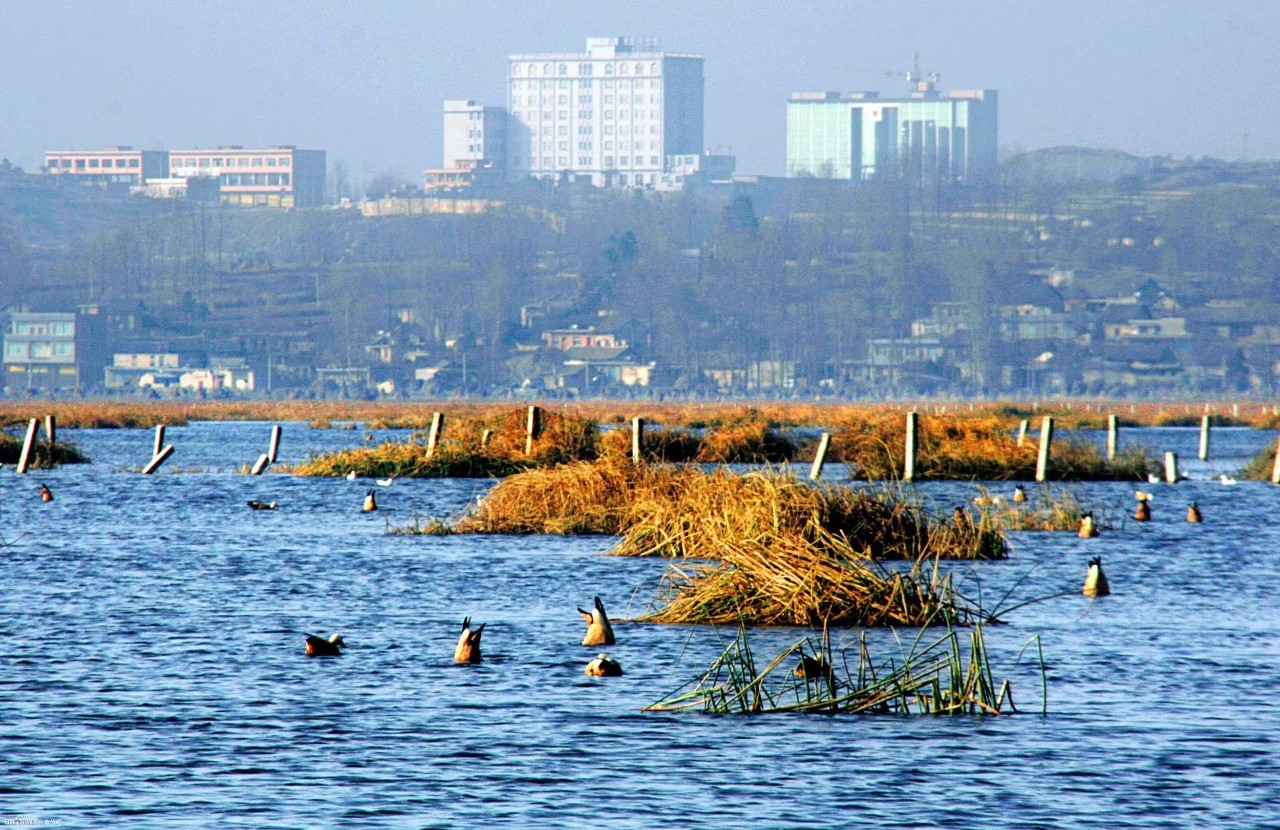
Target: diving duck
column 599, row 631
column 1095, row 581
column 317, row 647
column 45, row 493
column 603, row 666
column 468, row 648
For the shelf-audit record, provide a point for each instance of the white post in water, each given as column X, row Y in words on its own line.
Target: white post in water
column 433, row 437
column 1022, row 431
column 909, row 459
column 1171, row 467
column 260, row 464
column 1113, row 436
column 159, row 444
column 485, row 436
column 1046, row 439
column 637, row 440
column 820, row 458
column 1275, row 466
column 533, row 424
column 28, row 445
column 1204, row 438
column 157, row 460
column 275, row 444
column 51, row 431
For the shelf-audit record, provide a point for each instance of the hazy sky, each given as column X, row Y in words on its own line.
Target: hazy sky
column 365, row 80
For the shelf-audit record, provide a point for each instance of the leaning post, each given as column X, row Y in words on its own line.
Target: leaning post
column 433, row 437
column 1022, row 431
column 1275, row 466
column 820, row 457
column 159, row 443
column 1046, row 440
column 1113, row 436
column 275, row 444
column 156, row 460
column 533, row 425
column 28, row 444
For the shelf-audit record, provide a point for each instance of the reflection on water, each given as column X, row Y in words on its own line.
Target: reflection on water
column 154, row 674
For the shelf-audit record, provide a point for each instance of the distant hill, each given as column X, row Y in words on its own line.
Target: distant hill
column 1076, row 165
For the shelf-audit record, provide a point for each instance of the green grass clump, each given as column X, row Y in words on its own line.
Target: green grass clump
column 43, row 455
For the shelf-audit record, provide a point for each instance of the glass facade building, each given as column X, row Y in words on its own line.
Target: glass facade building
column 927, row 138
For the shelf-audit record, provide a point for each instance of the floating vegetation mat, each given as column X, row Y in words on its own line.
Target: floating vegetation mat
column 1048, row 507
column 973, row 447
column 949, row 675
column 1260, row 466
column 43, row 454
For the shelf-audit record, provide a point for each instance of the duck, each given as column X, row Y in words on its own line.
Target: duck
column 961, row 518
column 370, row 503
column 1143, row 511
column 317, row 647
column 45, row 493
column 813, row 668
column 988, row 501
column 262, row 505
column 1193, row 513
column 468, row 648
column 386, row 482
column 1088, row 530
column 351, row 476
column 1226, row 479
column 603, row 666
column 1152, row 478
column 1095, row 581
column 599, row 631
column 1019, row 494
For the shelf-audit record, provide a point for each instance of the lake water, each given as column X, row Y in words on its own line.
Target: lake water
column 155, row 678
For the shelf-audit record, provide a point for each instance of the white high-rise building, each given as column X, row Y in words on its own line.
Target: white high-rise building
column 614, row 114
column 474, row 135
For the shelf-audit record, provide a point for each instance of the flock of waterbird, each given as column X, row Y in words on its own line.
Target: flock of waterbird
column 467, row 651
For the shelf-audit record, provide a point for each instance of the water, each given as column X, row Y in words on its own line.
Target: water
column 154, row 675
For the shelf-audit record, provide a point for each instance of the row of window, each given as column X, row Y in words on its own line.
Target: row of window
column 529, row 117
column 586, row 146
column 255, row 179
column 584, row 85
column 44, row 329
column 20, row 351
column 583, row 100
column 92, row 164
column 562, row 162
column 241, row 161
column 586, row 68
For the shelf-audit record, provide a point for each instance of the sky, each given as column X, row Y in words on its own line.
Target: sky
column 365, row 81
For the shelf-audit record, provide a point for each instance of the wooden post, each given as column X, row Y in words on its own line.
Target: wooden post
column 260, row 464
column 159, row 445
column 637, row 441
column 28, row 445
column 485, row 436
column 275, row 444
column 1235, row 410
column 1204, row 438
column 1046, row 440
column 157, row 460
column 51, row 431
column 909, row 460
column 1171, row 467
column 1022, row 431
column 1113, row 436
column 533, row 425
column 433, row 437
column 1275, row 466
column 820, row 458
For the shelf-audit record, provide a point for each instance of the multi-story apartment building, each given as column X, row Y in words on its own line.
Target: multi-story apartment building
column 280, row 176
column 928, row 137
column 113, row 167
column 55, row 350
column 475, row 146
column 612, row 114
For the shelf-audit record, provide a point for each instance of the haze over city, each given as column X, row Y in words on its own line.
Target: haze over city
column 365, row 82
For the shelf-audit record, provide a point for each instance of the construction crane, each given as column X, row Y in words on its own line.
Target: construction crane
column 919, row 81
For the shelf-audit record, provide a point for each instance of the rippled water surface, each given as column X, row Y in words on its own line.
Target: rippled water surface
column 154, row 675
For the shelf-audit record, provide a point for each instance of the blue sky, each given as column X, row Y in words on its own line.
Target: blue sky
column 365, row 80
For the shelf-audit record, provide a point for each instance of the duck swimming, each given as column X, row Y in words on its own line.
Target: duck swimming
column 45, row 493
column 317, row 647
column 1193, row 513
column 603, row 666
column 1095, row 581
column 1143, row 512
column 370, row 503
column 262, row 505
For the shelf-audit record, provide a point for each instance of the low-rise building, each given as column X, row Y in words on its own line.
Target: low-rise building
column 55, row 350
column 121, row 166
column 279, row 176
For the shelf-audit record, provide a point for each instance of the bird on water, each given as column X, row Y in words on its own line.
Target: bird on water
column 45, row 493
column 262, row 505
column 317, row 647
column 599, row 631
column 468, row 648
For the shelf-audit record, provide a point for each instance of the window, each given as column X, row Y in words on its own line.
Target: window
column 62, row 349
column 16, row 350
column 584, row 69
column 653, row 161
column 273, row 179
column 286, row 161
column 93, row 162
column 257, row 162
column 271, row 162
column 133, row 162
column 584, row 161
column 608, row 161
column 243, row 162
column 79, row 164
column 217, row 162
column 284, row 179
column 563, row 69
column 66, row 163
column 62, row 329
